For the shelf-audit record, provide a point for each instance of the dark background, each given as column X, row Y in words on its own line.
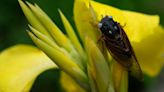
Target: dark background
column 13, row 25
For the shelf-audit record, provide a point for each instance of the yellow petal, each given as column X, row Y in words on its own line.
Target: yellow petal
column 20, row 65
column 64, row 61
column 72, row 35
column 83, row 20
column 78, row 53
column 102, row 10
column 150, row 51
column 51, row 27
column 101, row 71
column 120, row 77
column 138, row 25
column 69, row 84
column 33, row 19
column 44, row 38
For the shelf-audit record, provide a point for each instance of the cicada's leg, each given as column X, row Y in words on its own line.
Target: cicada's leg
column 122, row 26
column 101, row 43
column 101, row 38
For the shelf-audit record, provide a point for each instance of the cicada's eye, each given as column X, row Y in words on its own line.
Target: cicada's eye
column 100, row 25
column 110, row 17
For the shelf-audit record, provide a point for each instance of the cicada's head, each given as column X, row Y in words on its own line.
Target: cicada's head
column 109, row 27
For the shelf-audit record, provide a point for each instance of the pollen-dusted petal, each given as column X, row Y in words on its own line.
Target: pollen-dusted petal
column 32, row 18
column 63, row 61
column 20, row 65
column 97, row 62
column 55, row 32
column 69, row 84
column 138, row 25
column 150, row 52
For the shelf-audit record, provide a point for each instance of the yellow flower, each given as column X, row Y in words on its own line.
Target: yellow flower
column 143, row 31
column 87, row 68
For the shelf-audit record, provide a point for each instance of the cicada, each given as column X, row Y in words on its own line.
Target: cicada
column 118, row 45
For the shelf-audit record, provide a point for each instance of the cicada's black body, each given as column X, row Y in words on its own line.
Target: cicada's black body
column 118, row 45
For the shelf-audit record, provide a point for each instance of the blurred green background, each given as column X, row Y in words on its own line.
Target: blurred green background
column 13, row 25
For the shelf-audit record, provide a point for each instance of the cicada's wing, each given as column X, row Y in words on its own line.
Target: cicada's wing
column 123, row 53
column 136, row 71
column 135, row 68
column 118, row 54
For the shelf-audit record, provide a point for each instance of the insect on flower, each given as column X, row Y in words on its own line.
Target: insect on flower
column 119, row 46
